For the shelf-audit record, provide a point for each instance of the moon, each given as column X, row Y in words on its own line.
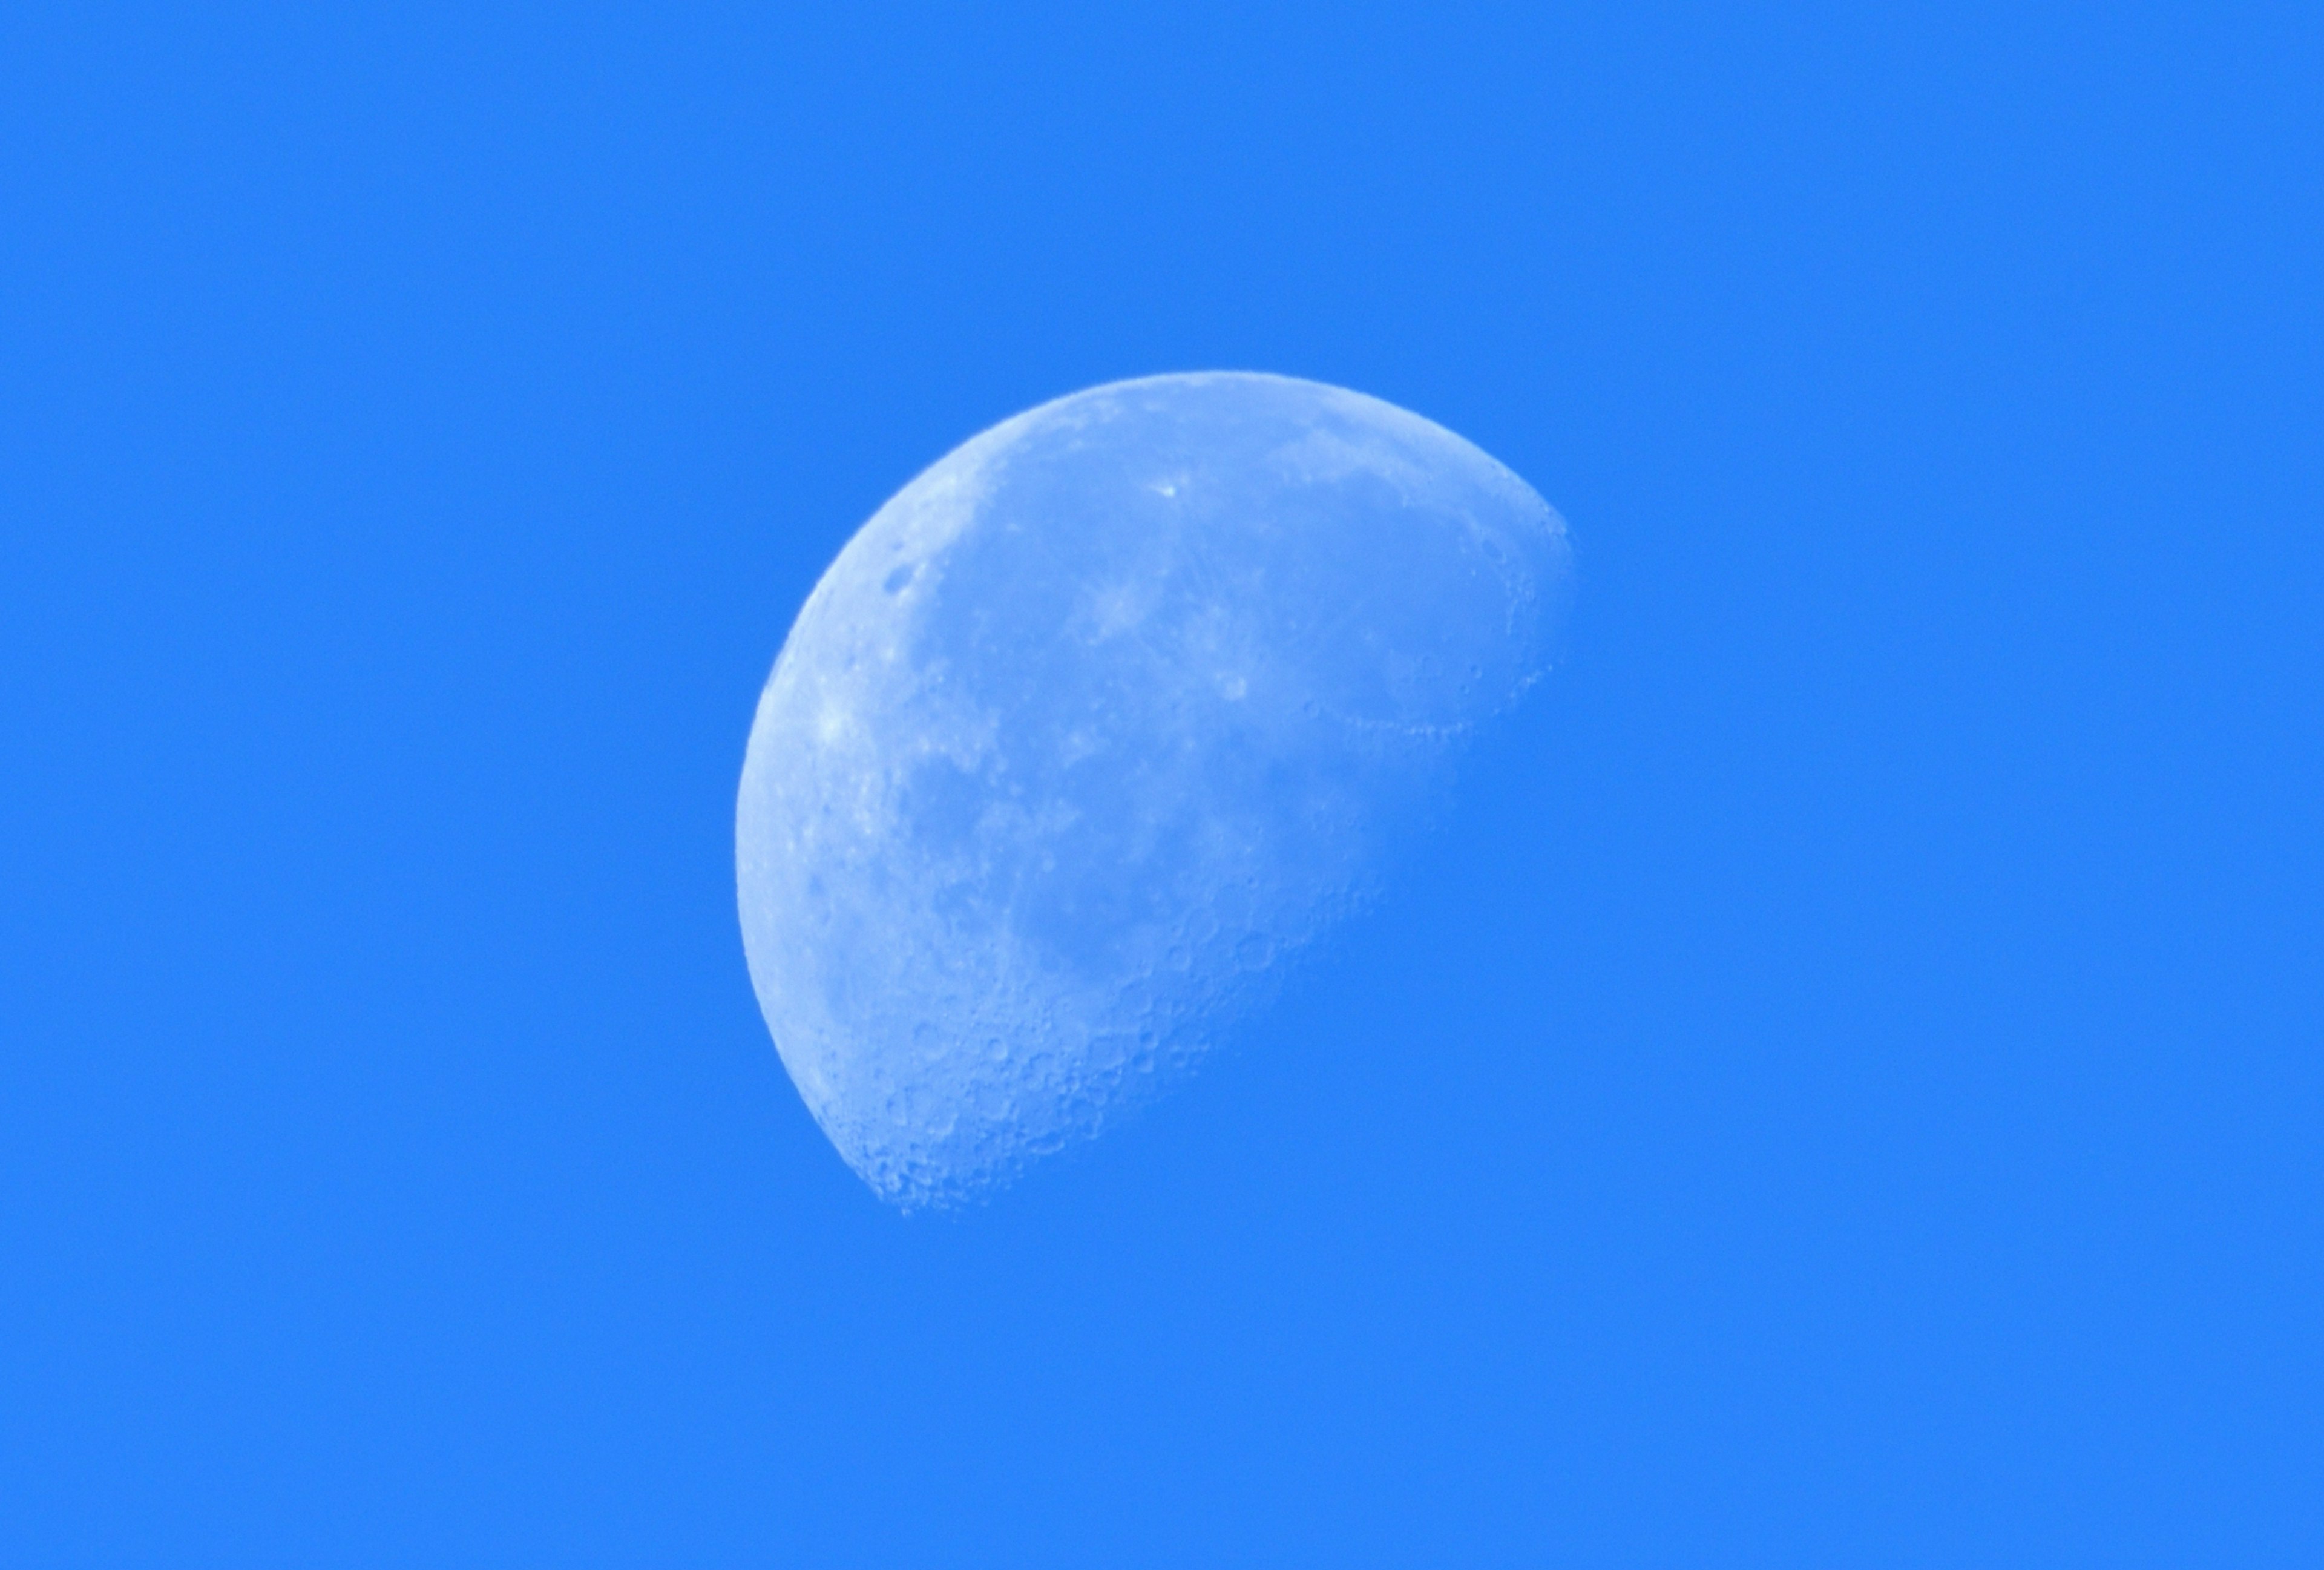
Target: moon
column 1092, row 730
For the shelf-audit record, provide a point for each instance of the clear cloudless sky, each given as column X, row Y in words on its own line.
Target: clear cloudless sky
column 1842, row 1087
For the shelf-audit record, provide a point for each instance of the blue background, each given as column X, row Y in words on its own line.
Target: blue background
column 1844, row 1089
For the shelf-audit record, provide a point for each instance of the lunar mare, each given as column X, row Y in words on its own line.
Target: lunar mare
column 1094, row 726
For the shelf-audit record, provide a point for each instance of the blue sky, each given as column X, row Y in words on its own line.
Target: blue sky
column 1842, row 1087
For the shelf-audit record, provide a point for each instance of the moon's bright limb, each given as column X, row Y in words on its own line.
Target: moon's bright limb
column 1093, row 724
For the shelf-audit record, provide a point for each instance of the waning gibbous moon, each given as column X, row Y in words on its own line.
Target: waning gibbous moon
column 1092, row 729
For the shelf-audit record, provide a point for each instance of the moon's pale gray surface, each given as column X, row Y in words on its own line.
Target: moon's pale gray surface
column 1091, row 728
